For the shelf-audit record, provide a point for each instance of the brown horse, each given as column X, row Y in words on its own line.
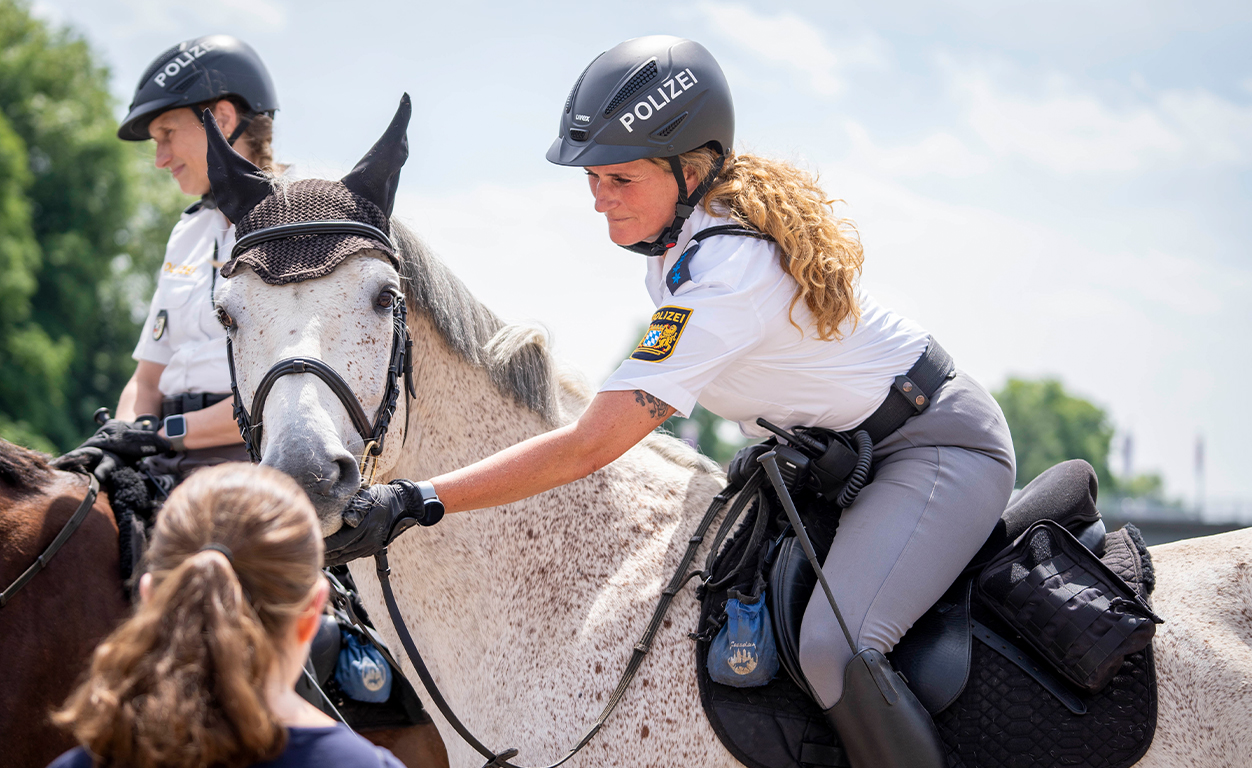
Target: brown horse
column 49, row 629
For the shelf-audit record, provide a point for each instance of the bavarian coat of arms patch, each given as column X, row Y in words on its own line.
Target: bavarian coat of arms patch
column 663, row 334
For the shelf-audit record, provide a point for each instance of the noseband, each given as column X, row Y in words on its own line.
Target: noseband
column 250, row 424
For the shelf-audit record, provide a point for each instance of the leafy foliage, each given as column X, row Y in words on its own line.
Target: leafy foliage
column 1050, row 425
column 83, row 219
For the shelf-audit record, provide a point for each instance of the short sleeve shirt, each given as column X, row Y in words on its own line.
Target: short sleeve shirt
column 723, row 335
column 182, row 331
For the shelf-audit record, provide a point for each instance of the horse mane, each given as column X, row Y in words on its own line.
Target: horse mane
column 516, row 357
column 22, row 469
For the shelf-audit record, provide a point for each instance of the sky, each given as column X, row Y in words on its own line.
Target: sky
column 1052, row 189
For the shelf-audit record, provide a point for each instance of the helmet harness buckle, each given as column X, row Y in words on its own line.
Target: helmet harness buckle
column 682, row 209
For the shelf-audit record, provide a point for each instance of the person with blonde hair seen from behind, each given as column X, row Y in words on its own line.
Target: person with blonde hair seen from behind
column 203, row 674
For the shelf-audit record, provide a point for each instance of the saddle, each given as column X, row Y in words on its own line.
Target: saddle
column 994, row 701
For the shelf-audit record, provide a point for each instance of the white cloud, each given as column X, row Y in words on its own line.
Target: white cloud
column 1071, row 130
column 788, row 39
column 138, row 19
column 1216, row 130
column 940, row 153
column 1065, row 130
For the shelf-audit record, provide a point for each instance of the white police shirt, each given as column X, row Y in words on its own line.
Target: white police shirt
column 182, row 332
column 723, row 335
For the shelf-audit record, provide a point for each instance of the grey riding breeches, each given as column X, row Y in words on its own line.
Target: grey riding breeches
column 940, row 484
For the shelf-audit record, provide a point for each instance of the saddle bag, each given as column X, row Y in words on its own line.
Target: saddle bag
column 1070, row 607
column 743, row 654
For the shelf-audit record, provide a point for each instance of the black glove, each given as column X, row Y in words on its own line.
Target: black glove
column 130, row 441
column 745, row 463
column 380, row 513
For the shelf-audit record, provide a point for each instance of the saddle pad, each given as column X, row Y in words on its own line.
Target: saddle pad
column 1003, row 718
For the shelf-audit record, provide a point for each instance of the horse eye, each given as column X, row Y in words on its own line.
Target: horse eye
column 225, row 319
column 385, row 299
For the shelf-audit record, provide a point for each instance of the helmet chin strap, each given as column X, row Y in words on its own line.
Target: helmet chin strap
column 682, row 210
column 245, row 119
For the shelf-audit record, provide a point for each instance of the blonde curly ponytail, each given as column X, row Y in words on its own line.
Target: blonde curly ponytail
column 820, row 250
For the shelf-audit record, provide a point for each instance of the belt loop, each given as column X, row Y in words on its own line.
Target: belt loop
column 913, row 393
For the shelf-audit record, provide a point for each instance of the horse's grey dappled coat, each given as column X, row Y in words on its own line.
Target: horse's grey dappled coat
column 527, row 612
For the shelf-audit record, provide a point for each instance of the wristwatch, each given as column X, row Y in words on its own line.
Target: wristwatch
column 176, row 430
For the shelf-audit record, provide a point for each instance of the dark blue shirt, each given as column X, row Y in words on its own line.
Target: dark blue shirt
column 333, row 746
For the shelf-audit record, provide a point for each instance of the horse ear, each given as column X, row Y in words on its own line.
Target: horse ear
column 378, row 174
column 237, row 184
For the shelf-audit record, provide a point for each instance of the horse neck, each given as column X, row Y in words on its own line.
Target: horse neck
column 459, row 415
column 621, row 523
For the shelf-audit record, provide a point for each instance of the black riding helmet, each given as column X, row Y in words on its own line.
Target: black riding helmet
column 656, row 96
column 196, row 71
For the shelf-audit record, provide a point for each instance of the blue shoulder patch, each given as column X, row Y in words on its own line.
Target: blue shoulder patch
column 681, row 271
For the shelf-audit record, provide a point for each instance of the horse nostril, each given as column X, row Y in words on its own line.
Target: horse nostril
column 338, row 472
column 347, row 472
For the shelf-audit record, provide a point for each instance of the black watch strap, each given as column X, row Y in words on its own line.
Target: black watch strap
column 432, row 507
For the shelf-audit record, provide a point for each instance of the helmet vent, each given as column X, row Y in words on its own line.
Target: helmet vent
column 182, row 85
column 671, row 126
column 569, row 103
column 160, row 62
column 576, row 134
column 632, row 86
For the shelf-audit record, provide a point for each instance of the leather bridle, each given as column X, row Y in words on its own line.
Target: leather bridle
column 401, row 362
column 71, row 525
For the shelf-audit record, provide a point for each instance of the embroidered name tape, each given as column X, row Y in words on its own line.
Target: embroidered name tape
column 663, row 334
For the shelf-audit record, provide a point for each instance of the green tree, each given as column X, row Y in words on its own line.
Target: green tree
column 1049, row 425
column 80, row 219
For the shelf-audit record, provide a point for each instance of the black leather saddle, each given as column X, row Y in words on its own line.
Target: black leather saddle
column 934, row 657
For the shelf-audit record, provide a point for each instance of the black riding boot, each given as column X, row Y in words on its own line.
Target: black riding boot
column 879, row 720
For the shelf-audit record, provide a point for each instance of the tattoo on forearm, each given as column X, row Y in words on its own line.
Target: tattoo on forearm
column 657, row 408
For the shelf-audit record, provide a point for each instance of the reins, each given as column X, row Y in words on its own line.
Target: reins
column 46, row 556
column 677, row 582
column 250, row 427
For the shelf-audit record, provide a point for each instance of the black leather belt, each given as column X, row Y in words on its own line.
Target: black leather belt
column 910, row 393
column 190, row 401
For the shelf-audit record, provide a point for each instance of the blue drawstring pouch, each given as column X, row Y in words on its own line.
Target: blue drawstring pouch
column 743, row 654
column 362, row 672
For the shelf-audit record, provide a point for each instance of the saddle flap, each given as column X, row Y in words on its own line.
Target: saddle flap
column 791, row 583
column 324, row 651
column 934, row 655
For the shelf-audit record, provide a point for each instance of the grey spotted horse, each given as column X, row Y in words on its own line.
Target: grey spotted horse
column 527, row 612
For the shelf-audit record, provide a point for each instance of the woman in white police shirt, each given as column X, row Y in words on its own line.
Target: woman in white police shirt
column 775, row 328
column 182, row 373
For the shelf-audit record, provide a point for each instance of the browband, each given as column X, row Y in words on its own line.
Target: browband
column 296, row 229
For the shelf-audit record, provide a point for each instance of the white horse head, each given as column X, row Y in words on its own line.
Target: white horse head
column 343, row 319
column 527, row 612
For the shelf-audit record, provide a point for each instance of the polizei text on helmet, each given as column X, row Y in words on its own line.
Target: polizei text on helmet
column 183, row 59
column 669, row 90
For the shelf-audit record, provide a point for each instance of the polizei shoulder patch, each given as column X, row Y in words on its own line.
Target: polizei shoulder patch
column 663, row 334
